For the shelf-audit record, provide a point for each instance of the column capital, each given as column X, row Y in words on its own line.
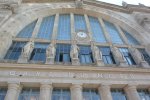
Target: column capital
column 14, row 85
column 76, row 86
column 46, row 86
column 130, row 86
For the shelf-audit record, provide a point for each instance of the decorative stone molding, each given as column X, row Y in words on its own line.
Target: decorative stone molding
column 138, row 57
column 26, row 52
column 97, row 54
column 74, row 54
column 50, row 54
column 118, row 57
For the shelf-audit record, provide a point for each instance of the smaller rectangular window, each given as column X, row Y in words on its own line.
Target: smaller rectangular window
column 90, row 94
column 15, row 50
column 39, row 52
column 144, row 94
column 107, row 55
column 63, row 53
column 3, row 92
column 118, row 94
column 127, row 56
column 145, row 55
column 29, row 94
column 85, row 55
column 61, row 94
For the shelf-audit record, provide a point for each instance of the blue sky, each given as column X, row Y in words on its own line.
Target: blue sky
column 119, row 2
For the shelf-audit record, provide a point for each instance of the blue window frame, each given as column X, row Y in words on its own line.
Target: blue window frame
column 27, row 31
column 118, row 94
column 90, row 94
column 144, row 94
column 15, row 50
column 98, row 35
column 39, row 52
column 46, row 28
column 61, row 94
column 127, row 56
column 145, row 55
column 63, row 53
column 107, row 55
column 3, row 92
column 85, row 55
column 80, row 23
column 64, row 27
column 29, row 94
column 130, row 38
column 113, row 32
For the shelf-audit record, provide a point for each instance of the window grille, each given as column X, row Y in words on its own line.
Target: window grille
column 15, row 50
column 90, row 94
column 98, row 35
column 145, row 55
column 64, row 27
column 144, row 94
column 118, row 94
column 46, row 28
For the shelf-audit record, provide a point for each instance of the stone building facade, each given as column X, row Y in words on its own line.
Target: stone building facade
column 74, row 50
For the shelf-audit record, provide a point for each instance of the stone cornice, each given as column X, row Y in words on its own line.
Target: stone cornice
column 73, row 68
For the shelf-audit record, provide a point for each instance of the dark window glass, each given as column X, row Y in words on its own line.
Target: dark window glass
column 90, row 94
column 145, row 55
column 46, row 28
column 97, row 31
column 130, row 38
column 39, row 52
column 85, row 55
column 118, row 94
column 64, row 27
column 15, row 50
column 144, row 94
column 113, row 32
column 27, row 31
column 107, row 55
column 127, row 56
column 80, row 23
column 29, row 94
column 61, row 94
column 3, row 92
column 63, row 53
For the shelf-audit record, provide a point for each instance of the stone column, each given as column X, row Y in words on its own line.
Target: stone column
column 88, row 26
column 123, row 37
column 106, row 34
column 76, row 92
column 12, row 91
column 19, row 91
column 131, row 92
column 104, row 92
column 55, row 29
column 45, row 91
column 37, row 27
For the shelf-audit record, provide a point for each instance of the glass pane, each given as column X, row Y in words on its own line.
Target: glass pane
column 46, row 28
column 64, row 27
column 15, row 50
column 144, row 94
column 145, row 55
column 118, row 94
column 27, row 31
column 113, row 32
column 97, row 31
column 90, row 94
column 80, row 23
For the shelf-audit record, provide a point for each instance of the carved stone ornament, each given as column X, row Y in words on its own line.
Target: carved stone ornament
column 82, row 36
column 79, row 3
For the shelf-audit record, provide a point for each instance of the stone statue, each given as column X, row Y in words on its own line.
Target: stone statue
column 27, row 50
column 74, row 51
column 124, row 4
column 50, row 52
column 97, row 53
column 117, row 54
column 136, row 53
column 79, row 3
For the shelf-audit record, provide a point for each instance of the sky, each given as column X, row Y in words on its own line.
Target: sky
column 119, row 2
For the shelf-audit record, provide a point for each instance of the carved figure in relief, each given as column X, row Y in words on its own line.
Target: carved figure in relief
column 28, row 48
column 97, row 53
column 50, row 52
column 74, row 51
